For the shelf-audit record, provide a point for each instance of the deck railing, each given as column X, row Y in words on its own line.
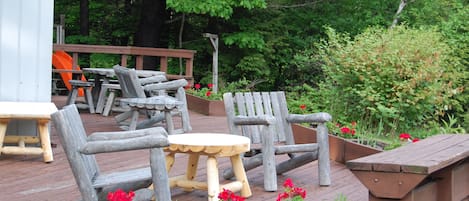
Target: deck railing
column 138, row 52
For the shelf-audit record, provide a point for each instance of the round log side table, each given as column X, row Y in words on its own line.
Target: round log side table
column 212, row 145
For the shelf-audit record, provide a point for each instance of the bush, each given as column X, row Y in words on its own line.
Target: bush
column 402, row 78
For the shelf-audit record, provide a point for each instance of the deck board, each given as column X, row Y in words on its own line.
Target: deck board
column 28, row 178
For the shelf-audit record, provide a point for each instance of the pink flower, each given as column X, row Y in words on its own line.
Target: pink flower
column 197, row 86
column 227, row 195
column 353, row 123
column 209, row 85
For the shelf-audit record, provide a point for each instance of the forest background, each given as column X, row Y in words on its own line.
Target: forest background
column 385, row 67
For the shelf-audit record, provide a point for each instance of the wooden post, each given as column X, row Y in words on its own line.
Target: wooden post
column 214, row 41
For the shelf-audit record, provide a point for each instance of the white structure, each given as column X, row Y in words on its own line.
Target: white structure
column 25, row 52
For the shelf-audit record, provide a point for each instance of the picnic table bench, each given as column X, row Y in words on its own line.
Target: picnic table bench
column 433, row 169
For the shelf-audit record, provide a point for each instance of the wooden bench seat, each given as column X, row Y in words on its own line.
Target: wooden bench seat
column 433, row 169
column 37, row 111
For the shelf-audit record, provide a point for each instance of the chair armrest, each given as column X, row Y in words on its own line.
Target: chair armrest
column 152, row 79
column 135, row 143
column 254, row 120
column 119, row 135
column 170, row 85
column 320, row 117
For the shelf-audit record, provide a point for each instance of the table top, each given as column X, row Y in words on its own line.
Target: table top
column 422, row 157
column 208, row 143
column 109, row 72
column 154, row 102
column 27, row 110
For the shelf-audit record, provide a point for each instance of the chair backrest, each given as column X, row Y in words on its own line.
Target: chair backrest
column 128, row 80
column 257, row 104
column 72, row 136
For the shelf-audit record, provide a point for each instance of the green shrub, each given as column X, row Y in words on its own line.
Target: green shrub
column 401, row 77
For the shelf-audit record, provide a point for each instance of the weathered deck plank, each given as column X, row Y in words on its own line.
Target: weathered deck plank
column 28, row 178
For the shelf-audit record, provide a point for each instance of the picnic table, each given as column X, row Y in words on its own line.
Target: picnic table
column 436, row 168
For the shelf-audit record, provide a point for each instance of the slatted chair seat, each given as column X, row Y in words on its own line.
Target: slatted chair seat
column 264, row 118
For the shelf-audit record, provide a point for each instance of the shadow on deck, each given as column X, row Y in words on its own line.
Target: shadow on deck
column 27, row 178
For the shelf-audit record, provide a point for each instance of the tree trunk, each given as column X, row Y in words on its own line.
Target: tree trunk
column 153, row 16
column 84, row 30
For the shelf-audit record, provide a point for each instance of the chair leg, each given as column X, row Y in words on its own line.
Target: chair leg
column 101, row 99
column 72, row 96
column 109, row 103
column 89, row 100
column 159, row 174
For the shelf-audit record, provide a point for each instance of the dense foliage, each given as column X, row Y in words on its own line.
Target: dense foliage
column 399, row 81
column 401, row 78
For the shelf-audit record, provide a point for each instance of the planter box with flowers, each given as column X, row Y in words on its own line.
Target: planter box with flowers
column 203, row 101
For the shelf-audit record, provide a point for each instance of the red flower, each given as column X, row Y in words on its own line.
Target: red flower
column 282, row 196
column 227, row 195
column 302, row 106
column 209, row 85
column 197, row 86
column 188, row 86
column 337, row 125
column 415, row 140
column 404, row 136
column 288, row 183
column 345, row 130
column 120, row 195
column 352, row 132
column 208, row 93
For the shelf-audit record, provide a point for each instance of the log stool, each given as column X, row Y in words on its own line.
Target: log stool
column 105, row 104
column 38, row 111
column 212, row 145
column 86, row 86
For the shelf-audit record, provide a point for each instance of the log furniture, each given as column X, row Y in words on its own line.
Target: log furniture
column 433, row 169
column 80, row 151
column 134, row 87
column 264, row 118
column 212, row 145
column 87, row 87
column 37, row 111
column 155, row 104
column 102, row 85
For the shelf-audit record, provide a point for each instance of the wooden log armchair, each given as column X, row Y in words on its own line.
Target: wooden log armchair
column 80, row 151
column 264, row 118
column 134, row 87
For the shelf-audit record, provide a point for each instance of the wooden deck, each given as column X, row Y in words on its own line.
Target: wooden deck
column 28, row 178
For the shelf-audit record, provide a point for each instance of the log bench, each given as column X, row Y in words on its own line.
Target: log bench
column 37, row 111
column 433, row 169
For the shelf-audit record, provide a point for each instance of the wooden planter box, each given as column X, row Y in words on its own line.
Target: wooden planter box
column 340, row 149
column 204, row 106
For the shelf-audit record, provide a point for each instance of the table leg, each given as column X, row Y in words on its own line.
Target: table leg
column 240, row 175
column 45, row 140
column 212, row 179
column 191, row 170
column 170, row 161
column 3, row 130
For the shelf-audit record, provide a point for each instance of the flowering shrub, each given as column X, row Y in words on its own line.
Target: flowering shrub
column 408, row 138
column 346, row 131
column 227, row 195
column 204, row 92
column 120, row 195
column 291, row 192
